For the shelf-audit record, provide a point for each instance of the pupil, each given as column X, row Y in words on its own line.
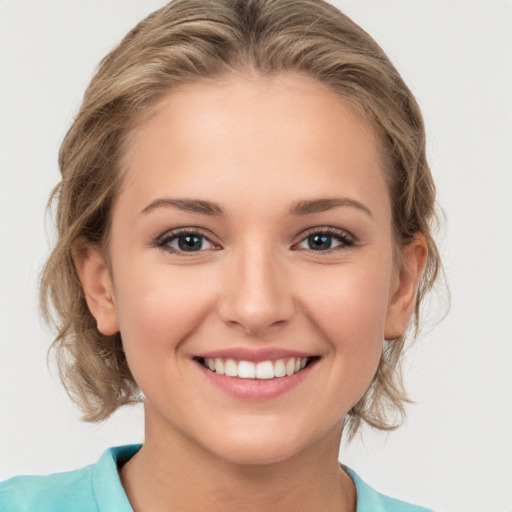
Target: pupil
column 320, row 242
column 190, row 243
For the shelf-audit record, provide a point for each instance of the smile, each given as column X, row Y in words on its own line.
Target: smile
column 262, row 370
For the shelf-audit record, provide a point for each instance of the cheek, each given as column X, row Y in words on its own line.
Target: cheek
column 351, row 301
column 349, row 309
column 157, row 310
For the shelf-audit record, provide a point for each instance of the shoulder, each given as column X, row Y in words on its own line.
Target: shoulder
column 72, row 490
column 94, row 488
column 370, row 500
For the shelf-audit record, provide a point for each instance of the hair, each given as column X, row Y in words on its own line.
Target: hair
column 191, row 40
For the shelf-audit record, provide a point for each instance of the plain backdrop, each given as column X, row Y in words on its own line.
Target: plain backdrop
column 454, row 453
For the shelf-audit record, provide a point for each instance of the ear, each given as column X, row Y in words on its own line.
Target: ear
column 96, row 282
column 405, row 287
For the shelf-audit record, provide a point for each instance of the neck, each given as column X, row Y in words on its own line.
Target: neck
column 172, row 473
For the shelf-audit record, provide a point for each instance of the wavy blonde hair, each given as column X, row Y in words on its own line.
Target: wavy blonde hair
column 186, row 41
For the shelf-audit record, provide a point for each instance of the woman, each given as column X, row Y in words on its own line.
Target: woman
column 244, row 235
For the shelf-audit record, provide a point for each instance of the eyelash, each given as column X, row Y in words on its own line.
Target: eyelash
column 346, row 240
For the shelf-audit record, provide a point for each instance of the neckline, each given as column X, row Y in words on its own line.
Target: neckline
column 109, row 493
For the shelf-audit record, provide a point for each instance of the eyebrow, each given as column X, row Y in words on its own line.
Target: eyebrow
column 188, row 205
column 307, row 207
column 298, row 208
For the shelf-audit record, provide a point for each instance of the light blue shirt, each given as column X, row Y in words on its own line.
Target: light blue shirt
column 97, row 488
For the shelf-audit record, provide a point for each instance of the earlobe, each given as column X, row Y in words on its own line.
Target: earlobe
column 405, row 288
column 96, row 282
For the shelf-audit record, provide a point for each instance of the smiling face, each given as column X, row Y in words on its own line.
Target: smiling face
column 252, row 237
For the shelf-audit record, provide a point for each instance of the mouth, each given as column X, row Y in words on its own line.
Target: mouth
column 261, row 370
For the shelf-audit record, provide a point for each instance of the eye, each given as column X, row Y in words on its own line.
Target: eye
column 326, row 240
column 185, row 241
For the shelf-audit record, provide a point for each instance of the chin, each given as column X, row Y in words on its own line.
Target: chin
column 257, row 455
column 261, row 446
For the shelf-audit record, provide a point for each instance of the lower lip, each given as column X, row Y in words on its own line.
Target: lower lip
column 256, row 388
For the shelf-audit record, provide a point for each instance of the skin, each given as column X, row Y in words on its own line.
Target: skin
column 253, row 146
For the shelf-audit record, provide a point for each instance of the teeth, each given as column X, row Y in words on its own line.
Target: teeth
column 263, row 370
column 219, row 366
column 230, row 368
column 279, row 368
column 246, row 370
column 290, row 367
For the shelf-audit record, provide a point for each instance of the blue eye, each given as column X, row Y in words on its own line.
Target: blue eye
column 319, row 242
column 325, row 240
column 185, row 242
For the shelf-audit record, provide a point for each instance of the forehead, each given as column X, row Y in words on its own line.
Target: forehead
column 281, row 136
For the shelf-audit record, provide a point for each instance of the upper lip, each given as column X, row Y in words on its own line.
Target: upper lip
column 254, row 355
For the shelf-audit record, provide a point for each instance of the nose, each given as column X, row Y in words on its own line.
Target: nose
column 256, row 296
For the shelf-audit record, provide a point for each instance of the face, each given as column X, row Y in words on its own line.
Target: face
column 252, row 273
